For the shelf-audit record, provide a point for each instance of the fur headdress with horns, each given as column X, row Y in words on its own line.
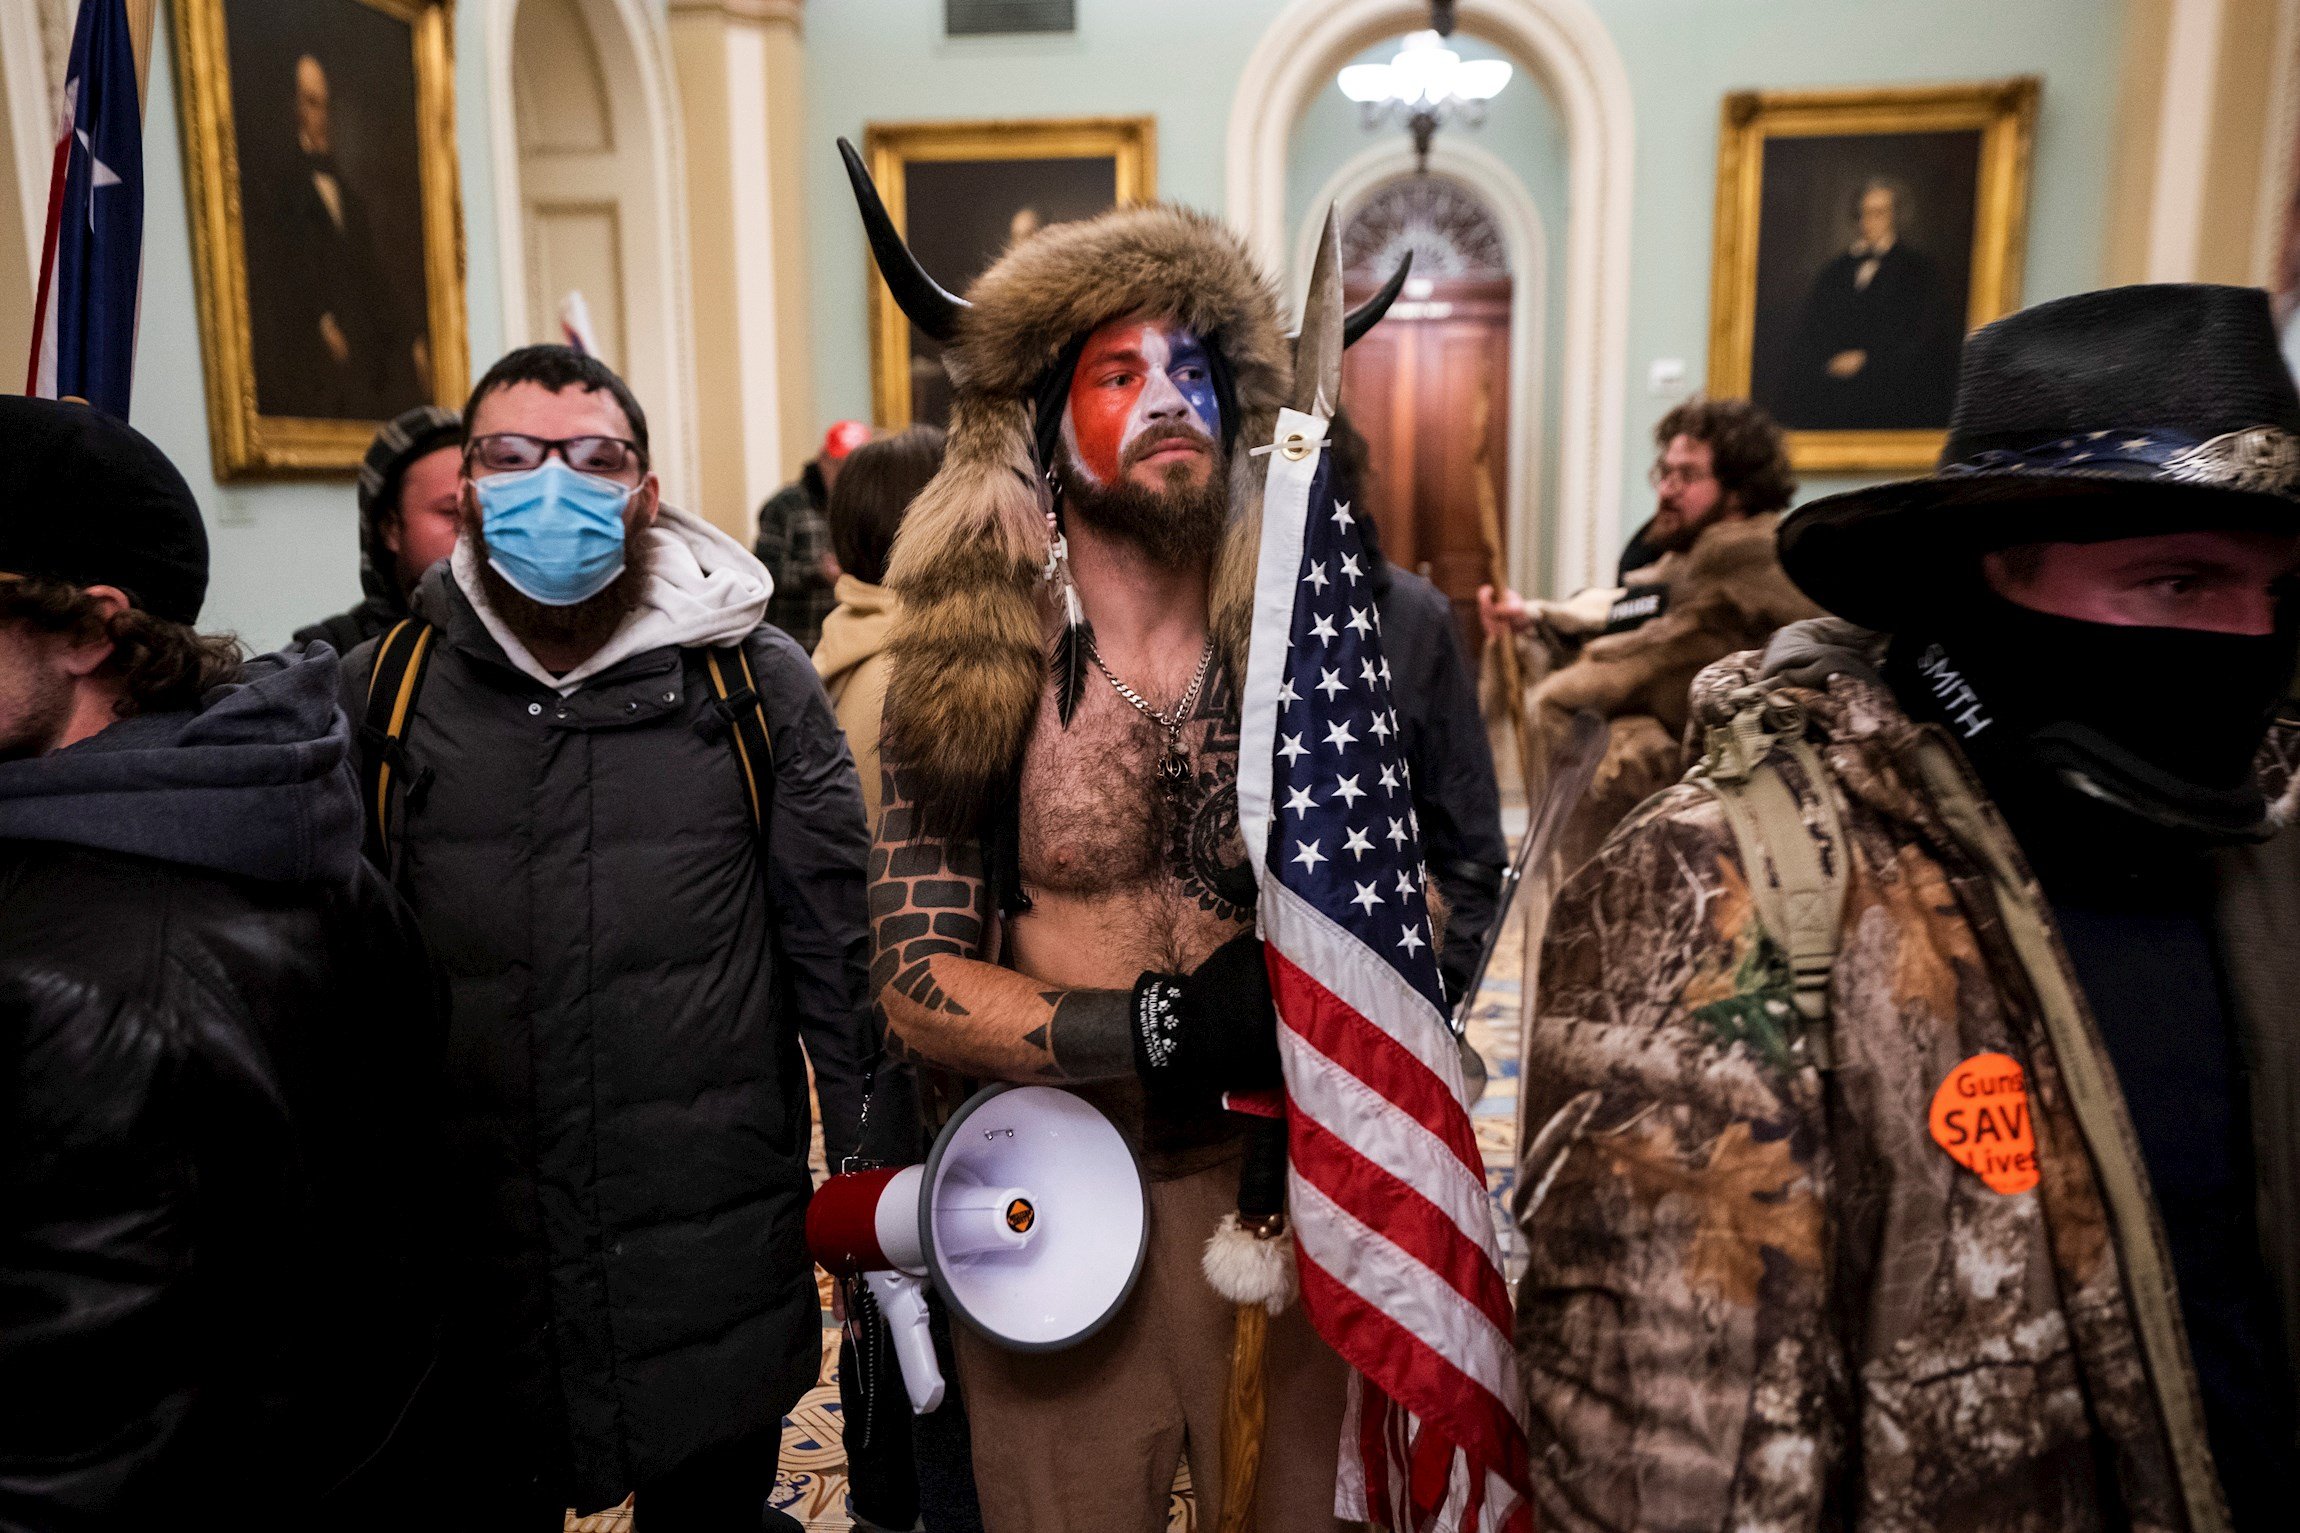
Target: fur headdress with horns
column 969, row 655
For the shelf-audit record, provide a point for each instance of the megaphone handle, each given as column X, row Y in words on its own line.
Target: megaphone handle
column 902, row 1300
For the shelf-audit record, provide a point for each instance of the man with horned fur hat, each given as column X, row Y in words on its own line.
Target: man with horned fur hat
column 1059, row 892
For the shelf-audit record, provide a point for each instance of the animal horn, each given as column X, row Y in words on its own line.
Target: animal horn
column 1366, row 315
column 933, row 309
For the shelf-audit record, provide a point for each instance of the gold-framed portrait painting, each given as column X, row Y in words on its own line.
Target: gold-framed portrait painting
column 327, row 237
column 1860, row 235
column 961, row 192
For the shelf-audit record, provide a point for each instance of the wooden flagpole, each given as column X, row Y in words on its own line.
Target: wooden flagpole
column 1501, row 652
column 140, row 18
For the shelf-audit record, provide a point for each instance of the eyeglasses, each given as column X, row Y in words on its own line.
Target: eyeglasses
column 509, row 452
column 1662, row 475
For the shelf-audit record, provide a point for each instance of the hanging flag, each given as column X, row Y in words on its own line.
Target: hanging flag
column 1393, row 1230
column 91, row 268
column 575, row 323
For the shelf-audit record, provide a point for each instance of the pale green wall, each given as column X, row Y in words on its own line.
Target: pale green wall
column 886, row 60
column 282, row 554
column 1684, row 55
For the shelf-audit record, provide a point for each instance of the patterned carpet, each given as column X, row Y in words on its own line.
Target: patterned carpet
column 811, row 1485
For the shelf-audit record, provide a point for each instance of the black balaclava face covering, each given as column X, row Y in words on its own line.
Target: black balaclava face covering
column 2085, row 731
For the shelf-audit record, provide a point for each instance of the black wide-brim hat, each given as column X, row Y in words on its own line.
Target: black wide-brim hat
column 2122, row 413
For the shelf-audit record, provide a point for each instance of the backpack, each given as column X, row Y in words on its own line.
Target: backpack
column 1795, row 868
column 400, row 659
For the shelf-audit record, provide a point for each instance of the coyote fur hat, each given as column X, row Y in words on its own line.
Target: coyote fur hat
column 969, row 651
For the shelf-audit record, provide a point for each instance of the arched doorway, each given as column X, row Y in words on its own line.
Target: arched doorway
column 1429, row 387
column 1564, row 46
column 589, row 196
column 1522, row 478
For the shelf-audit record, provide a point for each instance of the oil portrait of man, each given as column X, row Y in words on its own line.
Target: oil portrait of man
column 1864, row 271
column 325, row 111
column 1876, row 346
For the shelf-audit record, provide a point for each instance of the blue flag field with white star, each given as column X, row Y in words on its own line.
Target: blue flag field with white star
column 92, row 264
column 1343, row 833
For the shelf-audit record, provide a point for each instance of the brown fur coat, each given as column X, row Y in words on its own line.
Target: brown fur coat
column 969, row 651
column 1727, row 593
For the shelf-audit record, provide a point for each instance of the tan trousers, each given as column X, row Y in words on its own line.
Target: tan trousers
column 1087, row 1440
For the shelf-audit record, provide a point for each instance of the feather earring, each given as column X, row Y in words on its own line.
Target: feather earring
column 1076, row 641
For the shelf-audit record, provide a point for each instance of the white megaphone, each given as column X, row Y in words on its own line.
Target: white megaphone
column 1029, row 1215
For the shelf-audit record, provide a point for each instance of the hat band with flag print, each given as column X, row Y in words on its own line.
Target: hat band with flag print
column 2265, row 459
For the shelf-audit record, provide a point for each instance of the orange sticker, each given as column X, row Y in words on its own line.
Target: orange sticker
column 1981, row 1117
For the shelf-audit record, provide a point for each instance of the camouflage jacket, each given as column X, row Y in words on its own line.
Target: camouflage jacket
column 1760, row 1294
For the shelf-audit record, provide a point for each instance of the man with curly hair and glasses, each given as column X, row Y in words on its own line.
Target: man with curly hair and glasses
column 1697, row 583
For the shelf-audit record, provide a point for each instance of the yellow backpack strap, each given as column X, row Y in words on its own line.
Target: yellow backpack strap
column 391, row 688
column 744, row 712
column 1795, row 866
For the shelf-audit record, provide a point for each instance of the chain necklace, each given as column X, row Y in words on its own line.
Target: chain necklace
column 1174, row 765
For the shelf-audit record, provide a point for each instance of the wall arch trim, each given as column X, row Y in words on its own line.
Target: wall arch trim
column 1525, row 238
column 635, row 53
column 1567, row 48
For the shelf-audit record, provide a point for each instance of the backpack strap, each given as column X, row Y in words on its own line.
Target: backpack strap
column 744, row 712
column 1795, row 867
column 392, row 685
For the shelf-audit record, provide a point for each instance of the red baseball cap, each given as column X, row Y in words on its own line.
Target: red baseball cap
column 844, row 438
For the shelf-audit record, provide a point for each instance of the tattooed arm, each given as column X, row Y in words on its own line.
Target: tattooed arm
column 930, row 914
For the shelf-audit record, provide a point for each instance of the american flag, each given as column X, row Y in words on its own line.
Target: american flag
column 92, row 265
column 1392, row 1227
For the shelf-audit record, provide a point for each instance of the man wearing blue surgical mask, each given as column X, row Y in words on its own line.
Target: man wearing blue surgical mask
column 623, row 811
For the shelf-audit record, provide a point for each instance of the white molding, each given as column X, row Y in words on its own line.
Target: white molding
column 2279, row 164
column 635, row 54
column 1567, row 49
column 503, row 154
column 781, row 13
column 1524, row 236
column 752, row 207
column 31, row 125
column 2184, row 139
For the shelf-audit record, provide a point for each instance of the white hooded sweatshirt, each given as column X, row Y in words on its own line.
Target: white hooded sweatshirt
column 704, row 591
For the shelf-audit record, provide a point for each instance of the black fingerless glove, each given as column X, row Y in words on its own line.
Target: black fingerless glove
column 1212, row 1031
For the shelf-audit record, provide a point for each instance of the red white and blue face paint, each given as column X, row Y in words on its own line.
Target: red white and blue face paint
column 1135, row 377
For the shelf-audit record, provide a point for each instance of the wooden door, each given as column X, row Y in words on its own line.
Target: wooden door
column 1412, row 387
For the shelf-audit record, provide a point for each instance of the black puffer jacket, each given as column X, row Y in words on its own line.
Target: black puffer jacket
column 624, row 1089
column 219, row 1042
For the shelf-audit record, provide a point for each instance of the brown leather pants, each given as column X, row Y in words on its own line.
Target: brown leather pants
column 1087, row 1440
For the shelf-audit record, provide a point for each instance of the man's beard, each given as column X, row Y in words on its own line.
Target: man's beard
column 1178, row 525
column 583, row 627
column 1675, row 530
column 36, row 714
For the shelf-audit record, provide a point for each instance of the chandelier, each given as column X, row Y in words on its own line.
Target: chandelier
column 1426, row 86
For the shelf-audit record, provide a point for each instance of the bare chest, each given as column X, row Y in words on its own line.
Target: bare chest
column 1118, row 861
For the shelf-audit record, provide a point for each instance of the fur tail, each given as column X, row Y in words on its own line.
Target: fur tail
column 1248, row 1268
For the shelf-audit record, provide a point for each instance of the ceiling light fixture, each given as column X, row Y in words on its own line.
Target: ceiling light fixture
column 1427, row 85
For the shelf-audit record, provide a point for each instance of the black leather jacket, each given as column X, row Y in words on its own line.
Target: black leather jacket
column 216, row 1160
